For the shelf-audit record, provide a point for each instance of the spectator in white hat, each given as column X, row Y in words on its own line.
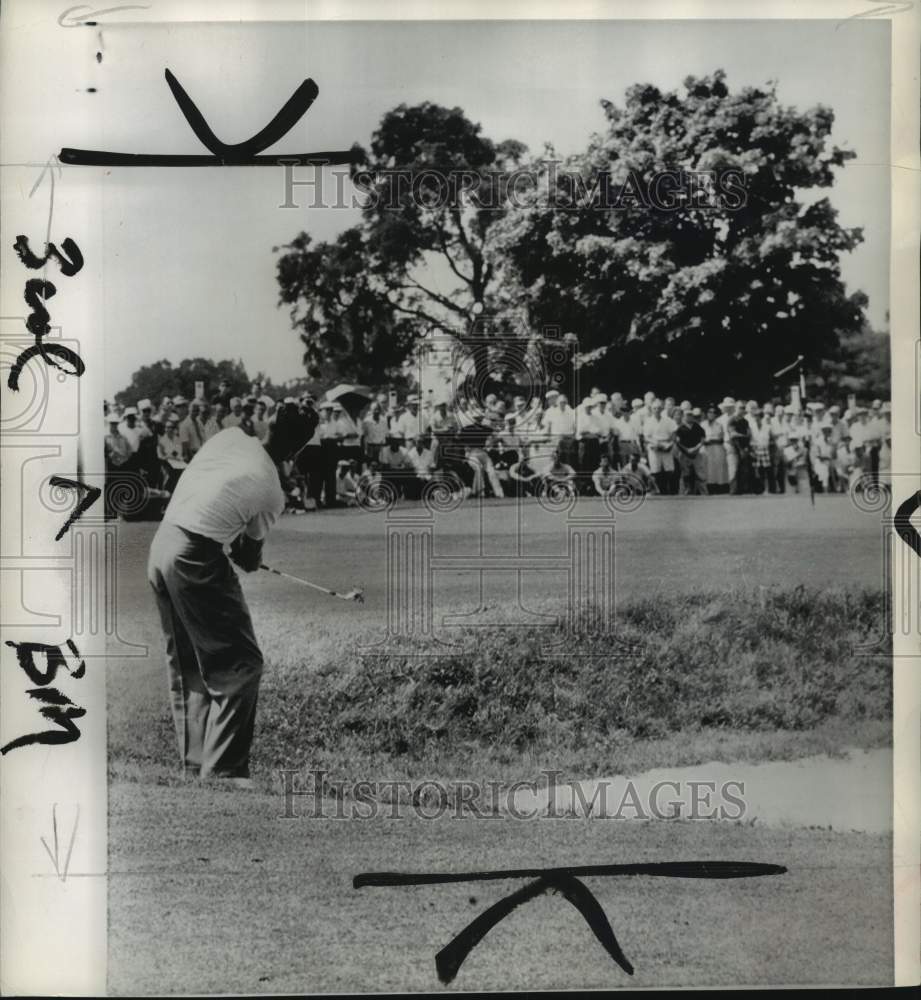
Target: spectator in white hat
column 235, row 417
column 215, row 422
column 374, row 428
column 118, row 450
column 823, row 462
column 560, row 427
column 348, row 434
column 874, row 434
column 169, row 452
column 329, row 446
column 659, row 435
column 145, row 412
column 192, row 432
column 130, row 430
column 149, row 431
column 409, row 422
column 422, row 465
column 607, row 429
column 588, row 436
column 627, row 434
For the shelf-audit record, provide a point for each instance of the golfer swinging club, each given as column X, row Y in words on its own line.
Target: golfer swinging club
column 229, row 495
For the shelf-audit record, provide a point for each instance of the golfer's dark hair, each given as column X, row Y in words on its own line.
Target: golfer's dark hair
column 291, row 430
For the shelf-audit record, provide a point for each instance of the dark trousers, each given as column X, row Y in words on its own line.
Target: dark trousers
column 779, row 469
column 589, row 457
column 310, row 465
column 212, row 657
column 329, row 451
column 569, row 452
column 742, row 482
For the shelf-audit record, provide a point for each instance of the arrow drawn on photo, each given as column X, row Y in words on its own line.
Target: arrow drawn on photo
column 55, row 856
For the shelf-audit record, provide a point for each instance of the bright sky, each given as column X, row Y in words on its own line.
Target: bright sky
column 187, row 253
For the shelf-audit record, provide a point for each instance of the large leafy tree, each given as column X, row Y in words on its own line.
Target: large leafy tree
column 714, row 289
column 861, row 364
column 162, row 378
column 432, row 187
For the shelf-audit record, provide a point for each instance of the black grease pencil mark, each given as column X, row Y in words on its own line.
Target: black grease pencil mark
column 87, row 495
column 668, row 869
column 449, row 960
column 69, row 265
column 903, row 526
column 58, row 709
column 563, row 880
column 240, row 154
column 290, row 114
column 101, row 158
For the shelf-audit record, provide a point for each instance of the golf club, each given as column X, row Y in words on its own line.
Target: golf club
column 351, row 595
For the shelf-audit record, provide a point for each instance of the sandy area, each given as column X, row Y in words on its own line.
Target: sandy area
column 848, row 793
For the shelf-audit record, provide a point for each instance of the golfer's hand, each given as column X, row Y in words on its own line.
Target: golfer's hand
column 246, row 552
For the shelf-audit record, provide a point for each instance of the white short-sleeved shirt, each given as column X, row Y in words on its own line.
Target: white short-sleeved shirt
column 375, row 431
column 559, row 422
column 231, row 486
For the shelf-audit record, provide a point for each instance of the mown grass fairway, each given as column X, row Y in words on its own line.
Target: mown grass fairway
column 213, row 891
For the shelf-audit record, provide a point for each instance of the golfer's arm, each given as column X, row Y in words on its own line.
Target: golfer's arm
column 246, row 552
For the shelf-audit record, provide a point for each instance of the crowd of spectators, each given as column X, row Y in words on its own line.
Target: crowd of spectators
column 511, row 446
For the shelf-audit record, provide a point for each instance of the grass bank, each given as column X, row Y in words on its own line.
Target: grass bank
column 745, row 676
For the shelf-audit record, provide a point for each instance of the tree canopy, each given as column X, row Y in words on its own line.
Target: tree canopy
column 161, row 379
column 417, row 262
column 687, row 247
column 712, row 288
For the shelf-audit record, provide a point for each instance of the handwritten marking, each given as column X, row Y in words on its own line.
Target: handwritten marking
column 564, row 881
column 58, row 709
column 903, row 526
column 61, row 874
column 82, row 19
column 241, row 154
column 88, row 498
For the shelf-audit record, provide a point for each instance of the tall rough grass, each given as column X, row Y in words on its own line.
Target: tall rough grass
column 784, row 661
column 741, row 663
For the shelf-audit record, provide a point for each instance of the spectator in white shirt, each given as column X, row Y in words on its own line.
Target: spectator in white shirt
column 131, row 430
column 410, row 422
column 394, row 463
column 422, row 464
column 588, row 435
column 235, row 417
column 374, row 432
column 560, row 426
column 659, row 435
column 607, row 428
column 346, row 485
column 760, row 449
